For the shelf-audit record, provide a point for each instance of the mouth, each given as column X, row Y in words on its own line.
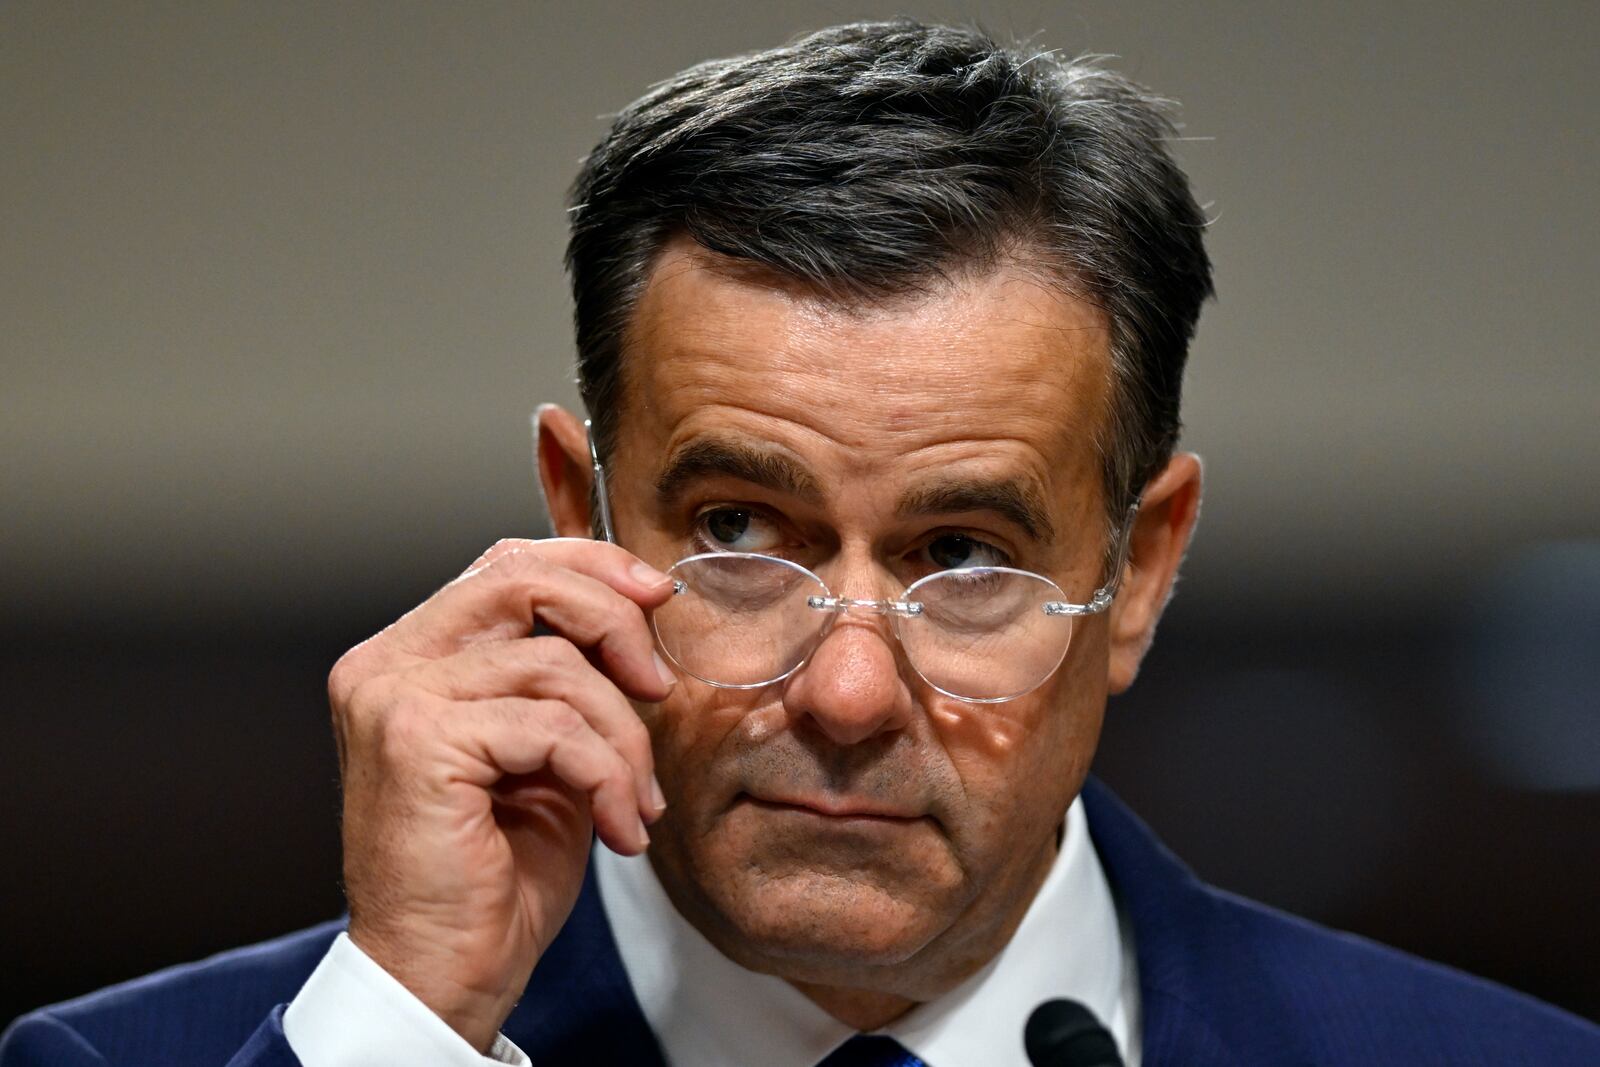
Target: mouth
column 837, row 808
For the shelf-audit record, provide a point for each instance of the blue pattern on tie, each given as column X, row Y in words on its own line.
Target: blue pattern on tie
column 871, row 1050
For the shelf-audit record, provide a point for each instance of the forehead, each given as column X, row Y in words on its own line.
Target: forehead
column 998, row 365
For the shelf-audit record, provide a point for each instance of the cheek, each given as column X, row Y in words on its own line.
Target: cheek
column 1022, row 762
column 690, row 730
column 991, row 748
column 978, row 737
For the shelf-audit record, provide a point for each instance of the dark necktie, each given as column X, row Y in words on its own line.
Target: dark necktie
column 871, row 1050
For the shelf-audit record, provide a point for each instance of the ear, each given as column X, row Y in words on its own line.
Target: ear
column 561, row 444
column 1161, row 533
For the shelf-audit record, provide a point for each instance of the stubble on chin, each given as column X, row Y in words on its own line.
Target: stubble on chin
column 807, row 897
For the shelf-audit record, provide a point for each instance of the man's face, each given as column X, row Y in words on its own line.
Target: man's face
column 850, row 825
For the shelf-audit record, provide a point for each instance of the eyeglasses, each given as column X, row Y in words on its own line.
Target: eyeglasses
column 740, row 620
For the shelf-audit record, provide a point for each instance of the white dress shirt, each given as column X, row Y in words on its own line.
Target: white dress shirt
column 707, row 1011
column 353, row 1013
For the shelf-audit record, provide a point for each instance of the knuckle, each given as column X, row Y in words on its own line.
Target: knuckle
column 400, row 734
column 504, row 548
column 620, row 775
column 623, row 615
column 563, row 720
column 507, row 556
column 556, row 653
column 636, row 736
column 348, row 672
column 340, row 684
column 358, row 713
column 383, row 721
column 517, row 558
column 521, row 579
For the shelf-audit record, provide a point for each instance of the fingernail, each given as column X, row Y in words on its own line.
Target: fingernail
column 668, row 679
column 657, row 797
column 645, row 574
column 644, row 836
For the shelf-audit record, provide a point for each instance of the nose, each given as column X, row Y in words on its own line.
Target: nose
column 851, row 686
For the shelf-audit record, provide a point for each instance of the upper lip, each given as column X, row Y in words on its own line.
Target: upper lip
column 843, row 806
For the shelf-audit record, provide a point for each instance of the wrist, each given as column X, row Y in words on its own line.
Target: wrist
column 474, row 1010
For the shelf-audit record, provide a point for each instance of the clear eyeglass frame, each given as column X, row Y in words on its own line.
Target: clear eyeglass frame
column 902, row 612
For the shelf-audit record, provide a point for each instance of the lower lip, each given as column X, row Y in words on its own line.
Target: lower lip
column 841, row 819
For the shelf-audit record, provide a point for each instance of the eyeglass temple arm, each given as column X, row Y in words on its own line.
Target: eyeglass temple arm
column 602, row 497
column 1107, row 593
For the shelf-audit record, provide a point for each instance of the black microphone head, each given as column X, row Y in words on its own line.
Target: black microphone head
column 1064, row 1033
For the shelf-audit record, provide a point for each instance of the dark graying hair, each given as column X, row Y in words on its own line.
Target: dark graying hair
column 875, row 159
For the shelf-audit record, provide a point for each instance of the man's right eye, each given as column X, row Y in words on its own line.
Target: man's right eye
column 732, row 529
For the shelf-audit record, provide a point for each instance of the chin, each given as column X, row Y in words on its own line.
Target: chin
column 808, row 899
column 821, row 920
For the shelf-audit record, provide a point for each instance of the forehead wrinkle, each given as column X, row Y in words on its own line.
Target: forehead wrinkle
column 998, row 352
column 698, row 298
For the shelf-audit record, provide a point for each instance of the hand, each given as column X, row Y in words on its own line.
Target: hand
column 476, row 759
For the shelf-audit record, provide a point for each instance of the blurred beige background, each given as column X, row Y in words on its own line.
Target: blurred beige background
column 281, row 282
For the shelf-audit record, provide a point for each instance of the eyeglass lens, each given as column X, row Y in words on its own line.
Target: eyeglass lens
column 746, row 620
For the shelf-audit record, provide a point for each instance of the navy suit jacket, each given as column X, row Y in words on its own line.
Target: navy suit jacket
column 1222, row 981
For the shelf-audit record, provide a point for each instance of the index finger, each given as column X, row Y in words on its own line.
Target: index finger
column 601, row 560
column 592, row 592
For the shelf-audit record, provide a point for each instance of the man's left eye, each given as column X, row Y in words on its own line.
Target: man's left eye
column 955, row 551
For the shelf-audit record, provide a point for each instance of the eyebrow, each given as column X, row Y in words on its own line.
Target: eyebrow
column 709, row 457
column 1019, row 501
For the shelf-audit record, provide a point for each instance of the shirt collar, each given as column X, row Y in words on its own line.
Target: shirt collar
column 706, row 1009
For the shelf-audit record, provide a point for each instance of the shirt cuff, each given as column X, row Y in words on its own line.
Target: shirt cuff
column 353, row 1013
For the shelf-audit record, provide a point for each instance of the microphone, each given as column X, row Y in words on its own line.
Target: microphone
column 1064, row 1033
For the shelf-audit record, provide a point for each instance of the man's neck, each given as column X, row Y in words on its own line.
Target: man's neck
column 861, row 1009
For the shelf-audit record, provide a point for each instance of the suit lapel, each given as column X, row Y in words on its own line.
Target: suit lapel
column 1204, row 995
column 579, row 1006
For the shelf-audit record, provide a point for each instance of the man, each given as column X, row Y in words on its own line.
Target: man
column 882, row 334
